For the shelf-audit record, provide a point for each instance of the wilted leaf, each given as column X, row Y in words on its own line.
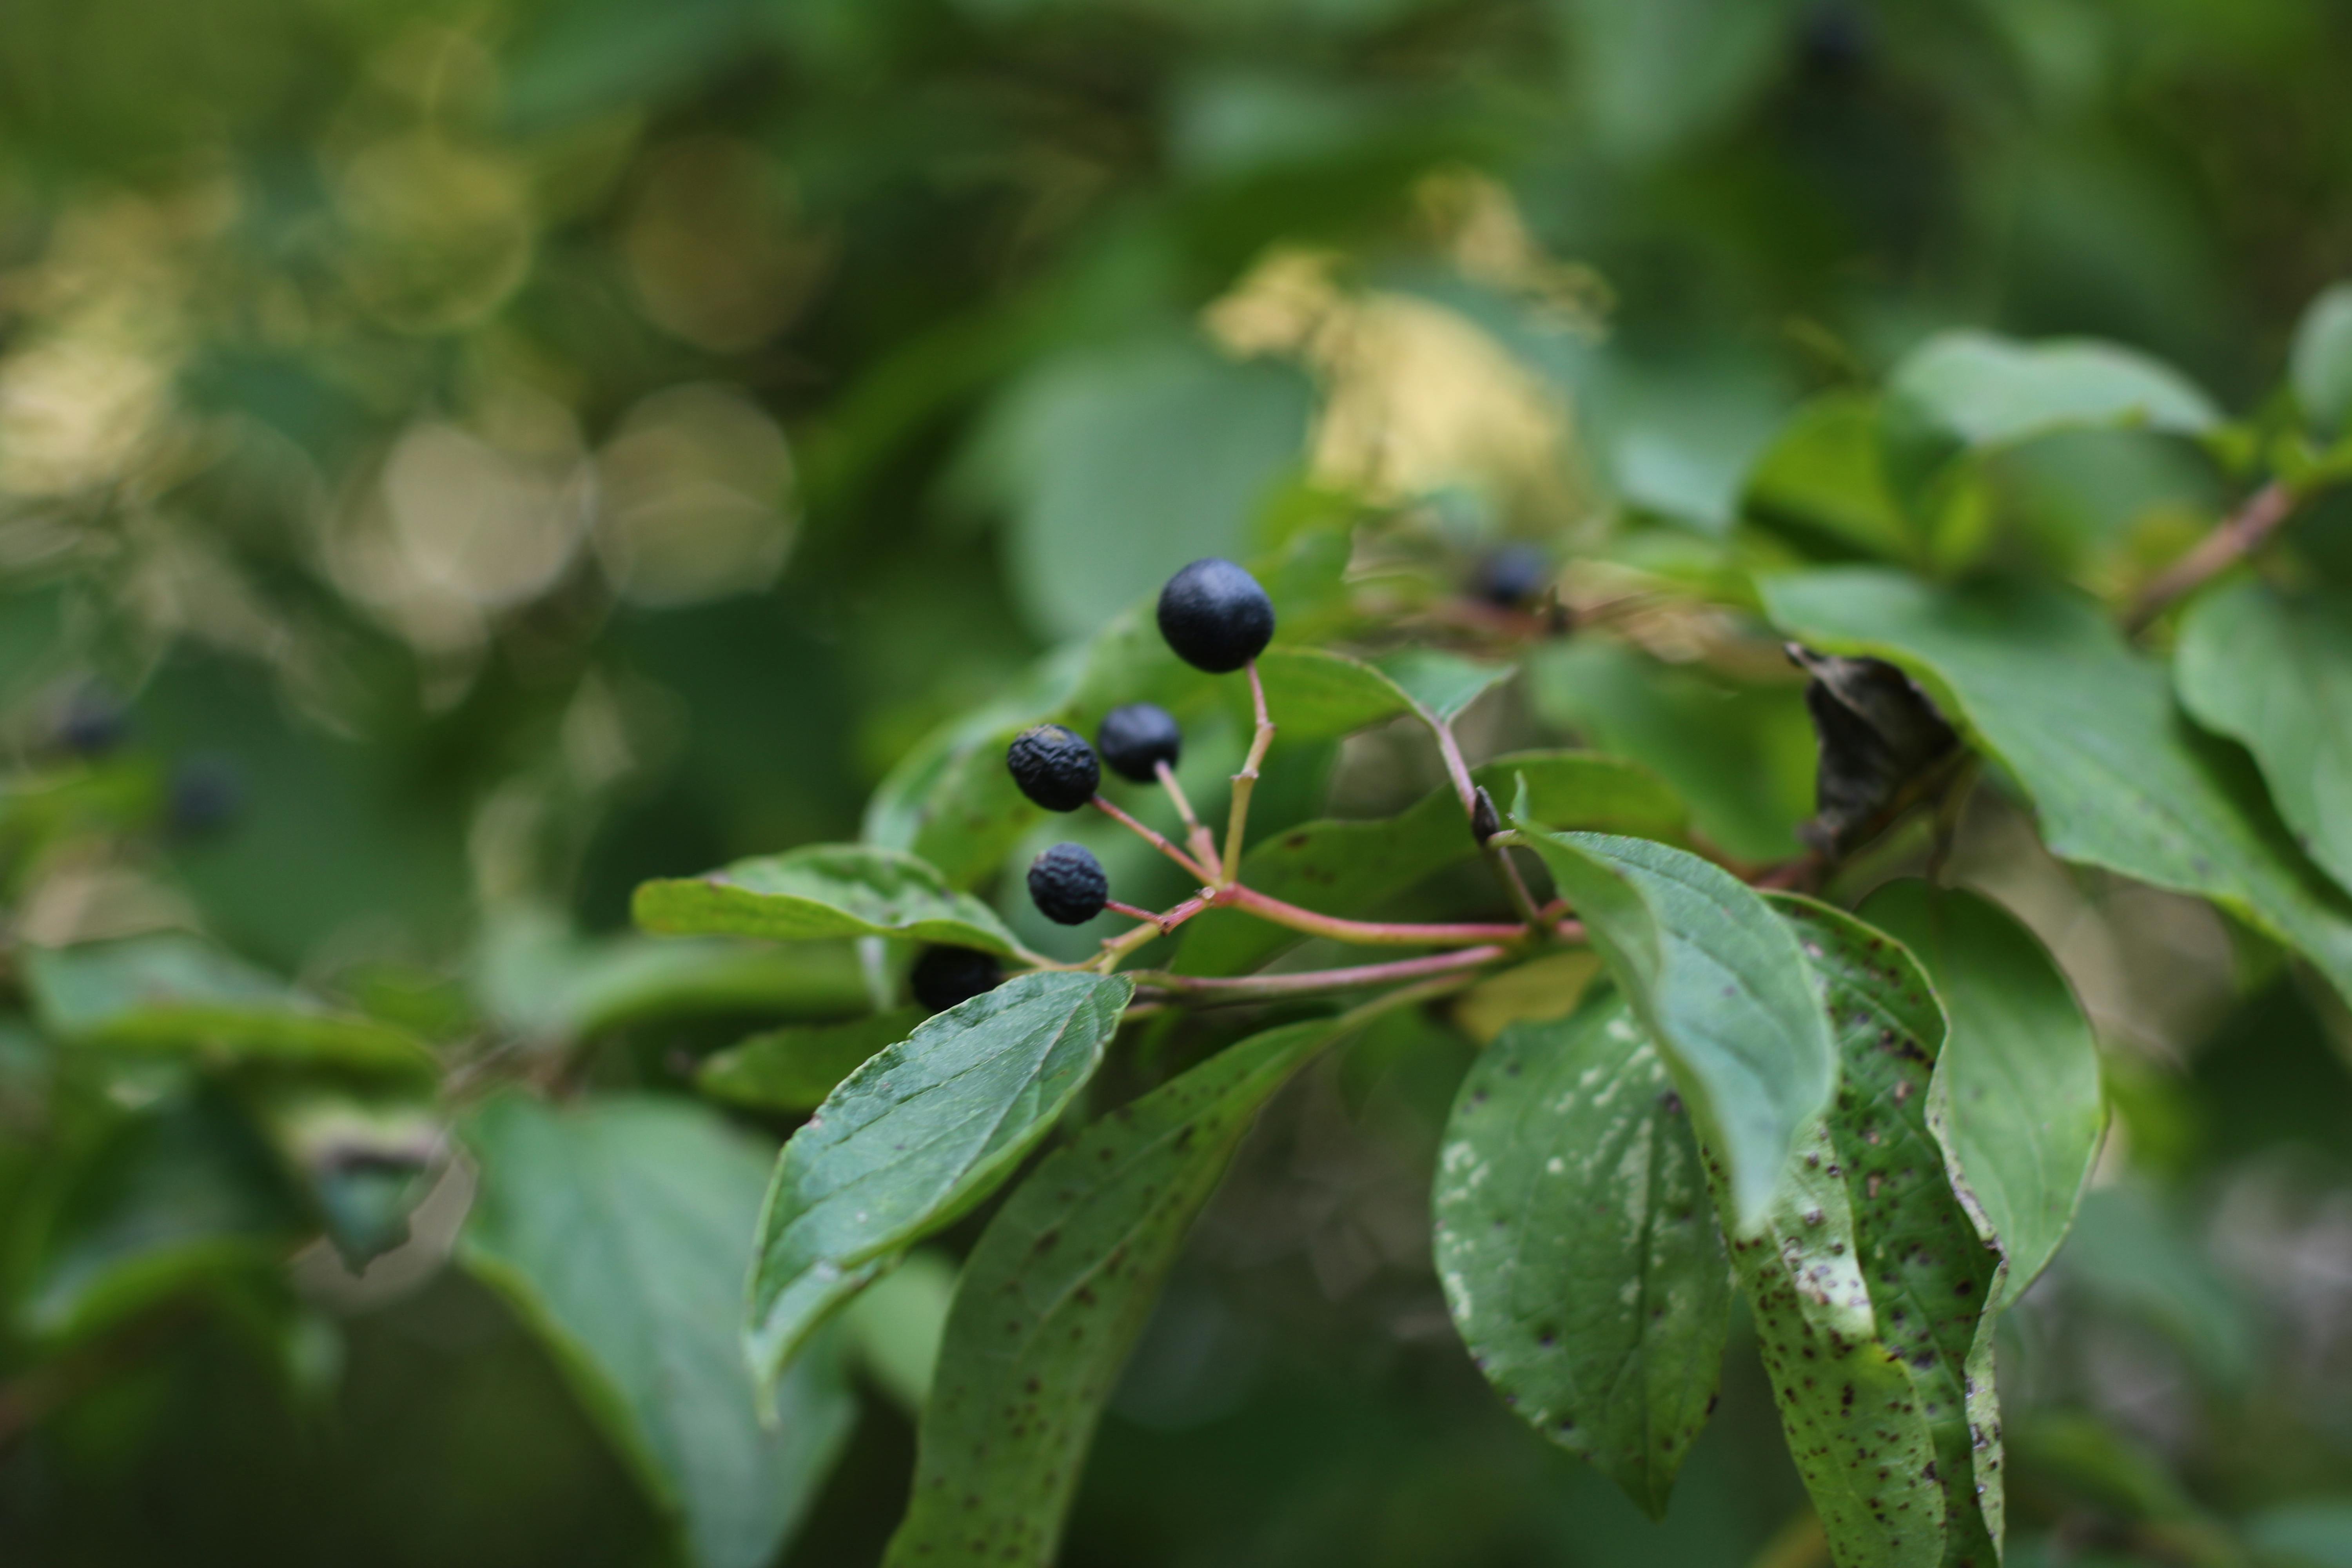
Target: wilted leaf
column 914, row 1138
column 794, row 1068
column 2020, row 1075
column 1878, row 732
column 1579, row 1255
column 2118, row 778
column 823, row 890
column 2275, row 672
column 174, row 992
column 620, row 1229
column 1932, row 1270
column 1720, row 987
column 1053, row 1297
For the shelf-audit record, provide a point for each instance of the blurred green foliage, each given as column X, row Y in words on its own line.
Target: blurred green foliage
column 457, row 463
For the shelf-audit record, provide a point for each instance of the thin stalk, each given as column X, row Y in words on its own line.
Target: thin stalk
column 2239, row 536
column 1245, row 780
column 1498, row 859
column 1307, row 982
column 1153, row 838
column 1378, row 934
column 1117, row 948
column 1202, row 842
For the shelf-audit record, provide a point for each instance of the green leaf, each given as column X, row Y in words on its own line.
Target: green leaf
column 1177, row 442
column 2316, row 1535
column 2020, row 1076
column 821, row 892
column 1932, row 1269
column 619, row 1228
column 2275, row 672
column 1651, row 76
column 167, row 1197
column 1848, row 1405
column 177, row 993
column 1990, row 390
column 1355, row 866
column 2119, row 779
column 2128, row 1252
column 1743, row 756
column 1823, row 473
column 1313, row 694
column 1719, row 983
column 914, row 1138
column 794, row 1068
column 2319, row 365
column 536, row 976
column 1579, row 1255
column 1054, row 1298
column 1442, row 684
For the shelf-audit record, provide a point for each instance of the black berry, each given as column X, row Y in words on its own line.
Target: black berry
column 1216, row 616
column 1485, row 820
column 1136, row 739
column 944, row 976
column 1067, row 884
column 1512, row 575
column 1053, row 767
column 203, row 797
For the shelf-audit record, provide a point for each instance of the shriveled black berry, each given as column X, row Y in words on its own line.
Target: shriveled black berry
column 1485, row 820
column 1511, row 575
column 944, row 976
column 1136, row 739
column 1216, row 616
column 1067, row 884
column 1054, row 767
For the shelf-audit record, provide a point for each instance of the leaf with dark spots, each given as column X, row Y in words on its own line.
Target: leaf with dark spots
column 1036, row 1343
column 1930, row 1258
column 1578, row 1248
column 1878, row 733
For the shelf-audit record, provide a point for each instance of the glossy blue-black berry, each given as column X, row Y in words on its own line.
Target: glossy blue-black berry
column 1136, row 739
column 203, row 797
column 1054, row 767
column 1216, row 616
column 1511, row 575
column 944, row 976
column 1067, row 884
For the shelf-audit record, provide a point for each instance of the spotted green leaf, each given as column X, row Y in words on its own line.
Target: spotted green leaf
column 913, row 1139
column 1053, row 1297
column 1717, row 981
column 1932, row 1269
column 2020, row 1075
column 2275, row 672
column 1353, row 866
column 175, row 992
column 1579, row 1255
column 619, row 1228
column 795, row 1067
column 2044, row 683
column 825, row 890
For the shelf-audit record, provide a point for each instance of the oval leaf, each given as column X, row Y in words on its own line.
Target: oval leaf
column 914, row 1138
column 794, row 1068
column 2319, row 366
column 1053, row 1297
column 2276, row 673
column 2021, row 1075
column 2041, row 680
column 1579, row 1252
column 821, row 892
column 1717, row 981
column 1992, row 390
column 170, row 991
column 619, row 1228
column 1933, row 1272
column 1313, row 694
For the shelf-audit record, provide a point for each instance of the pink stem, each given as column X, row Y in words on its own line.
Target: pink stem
column 1381, row 932
column 1152, row 838
column 1242, row 987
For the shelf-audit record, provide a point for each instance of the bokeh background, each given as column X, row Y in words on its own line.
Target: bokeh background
column 461, row 460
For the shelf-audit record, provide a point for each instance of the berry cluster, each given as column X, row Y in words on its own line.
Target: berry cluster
column 1216, row 617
